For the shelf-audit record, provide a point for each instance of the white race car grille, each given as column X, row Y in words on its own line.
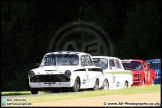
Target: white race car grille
column 50, row 78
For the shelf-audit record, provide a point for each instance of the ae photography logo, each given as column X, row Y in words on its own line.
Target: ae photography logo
column 82, row 37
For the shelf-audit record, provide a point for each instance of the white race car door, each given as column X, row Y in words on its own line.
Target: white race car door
column 120, row 75
column 113, row 72
column 92, row 72
column 84, row 63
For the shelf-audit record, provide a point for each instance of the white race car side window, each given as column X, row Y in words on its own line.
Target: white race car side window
column 84, row 61
column 118, row 65
column 111, row 63
column 90, row 63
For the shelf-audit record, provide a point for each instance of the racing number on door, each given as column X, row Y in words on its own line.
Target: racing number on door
column 148, row 75
column 145, row 74
column 87, row 76
column 114, row 78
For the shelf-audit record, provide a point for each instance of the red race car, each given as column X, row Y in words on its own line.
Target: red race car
column 142, row 73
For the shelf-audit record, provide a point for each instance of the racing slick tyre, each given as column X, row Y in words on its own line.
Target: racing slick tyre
column 105, row 85
column 126, row 84
column 56, row 90
column 76, row 85
column 34, row 90
column 96, row 85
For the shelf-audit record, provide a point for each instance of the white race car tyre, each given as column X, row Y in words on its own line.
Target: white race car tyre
column 76, row 86
column 34, row 90
column 105, row 85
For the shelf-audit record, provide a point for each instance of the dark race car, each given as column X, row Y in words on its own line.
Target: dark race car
column 155, row 64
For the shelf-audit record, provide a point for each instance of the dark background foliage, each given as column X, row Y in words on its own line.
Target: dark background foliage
column 28, row 26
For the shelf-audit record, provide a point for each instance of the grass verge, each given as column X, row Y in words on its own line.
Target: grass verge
column 62, row 96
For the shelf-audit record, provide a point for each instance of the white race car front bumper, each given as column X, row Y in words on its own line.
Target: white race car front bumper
column 49, row 84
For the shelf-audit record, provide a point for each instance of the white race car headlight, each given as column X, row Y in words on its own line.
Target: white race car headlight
column 67, row 73
column 31, row 74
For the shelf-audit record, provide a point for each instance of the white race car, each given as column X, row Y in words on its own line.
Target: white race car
column 66, row 70
column 117, row 77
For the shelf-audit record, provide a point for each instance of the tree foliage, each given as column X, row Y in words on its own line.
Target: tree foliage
column 142, row 31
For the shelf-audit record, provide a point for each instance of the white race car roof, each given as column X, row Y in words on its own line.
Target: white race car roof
column 66, row 52
column 108, row 57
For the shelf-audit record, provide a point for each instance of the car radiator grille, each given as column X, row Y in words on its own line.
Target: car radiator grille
column 50, row 78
